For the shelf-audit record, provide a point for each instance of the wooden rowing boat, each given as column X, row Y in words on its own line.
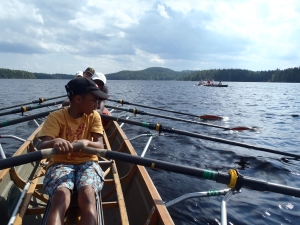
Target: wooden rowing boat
column 128, row 197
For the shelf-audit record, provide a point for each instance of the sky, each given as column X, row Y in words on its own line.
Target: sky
column 65, row 36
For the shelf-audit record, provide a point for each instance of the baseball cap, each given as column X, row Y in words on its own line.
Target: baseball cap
column 90, row 70
column 79, row 74
column 99, row 76
column 82, row 85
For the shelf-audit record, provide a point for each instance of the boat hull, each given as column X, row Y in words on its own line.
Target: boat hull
column 213, row 85
column 128, row 197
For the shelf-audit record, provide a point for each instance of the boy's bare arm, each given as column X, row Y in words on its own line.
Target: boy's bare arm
column 96, row 143
column 63, row 146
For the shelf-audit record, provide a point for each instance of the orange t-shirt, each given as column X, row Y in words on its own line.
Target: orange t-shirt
column 59, row 124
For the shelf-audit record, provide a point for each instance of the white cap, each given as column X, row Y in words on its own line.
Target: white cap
column 79, row 74
column 99, row 76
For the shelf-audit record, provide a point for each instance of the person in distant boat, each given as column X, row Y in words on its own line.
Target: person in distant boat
column 88, row 73
column 220, row 83
column 100, row 80
column 77, row 123
column 208, row 82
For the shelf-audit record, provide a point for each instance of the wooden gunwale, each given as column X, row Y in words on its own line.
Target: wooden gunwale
column 141, row 171
column 118, row 188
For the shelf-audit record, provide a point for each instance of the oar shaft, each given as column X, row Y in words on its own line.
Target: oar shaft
column 26, row 118
column 41, row 100
column 135, row 111
column 149, row 107
column 219, row 177
column 29, row 108
column 196, row 135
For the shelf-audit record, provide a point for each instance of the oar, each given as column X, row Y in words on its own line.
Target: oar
column 26, row 118
column 28, row 108
column 158, row 127
column 206, row 117
column 135, row 111
column 233, row 179
column 41, row 100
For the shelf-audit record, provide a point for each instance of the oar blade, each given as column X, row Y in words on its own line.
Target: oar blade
column 241, row 128
column 210, row 117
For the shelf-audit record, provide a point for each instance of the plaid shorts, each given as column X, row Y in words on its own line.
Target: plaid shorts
column 67, row 175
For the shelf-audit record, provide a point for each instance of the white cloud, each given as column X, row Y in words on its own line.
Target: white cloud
column 152, row 58
column 59, row 36
column 15, row 10
column 162, row 11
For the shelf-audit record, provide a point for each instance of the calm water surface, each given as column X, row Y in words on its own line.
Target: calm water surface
column 267, row 106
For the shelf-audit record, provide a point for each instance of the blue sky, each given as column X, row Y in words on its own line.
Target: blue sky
column 67, row 36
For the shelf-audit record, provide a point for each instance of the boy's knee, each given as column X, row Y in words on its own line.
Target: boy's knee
column 86, row 196
column 61, row 197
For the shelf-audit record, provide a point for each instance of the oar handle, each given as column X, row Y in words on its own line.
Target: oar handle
column 33, row 156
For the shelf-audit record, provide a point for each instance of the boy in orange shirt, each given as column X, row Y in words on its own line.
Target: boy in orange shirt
column 78, row 123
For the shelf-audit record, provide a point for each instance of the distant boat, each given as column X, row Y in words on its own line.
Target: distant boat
column 212, row 85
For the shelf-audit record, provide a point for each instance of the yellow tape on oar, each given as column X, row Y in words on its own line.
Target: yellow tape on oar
column 233, row 178
column 134, row 111
column 158, row 127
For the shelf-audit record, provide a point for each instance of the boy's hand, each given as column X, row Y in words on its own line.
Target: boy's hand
column 63, row 146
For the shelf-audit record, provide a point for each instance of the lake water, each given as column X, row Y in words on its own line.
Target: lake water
column 267, row 106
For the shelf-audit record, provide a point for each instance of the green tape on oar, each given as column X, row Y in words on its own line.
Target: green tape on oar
column 3, row 124
column 209, row 174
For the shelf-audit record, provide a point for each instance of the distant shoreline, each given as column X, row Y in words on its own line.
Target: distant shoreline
column 291, row 75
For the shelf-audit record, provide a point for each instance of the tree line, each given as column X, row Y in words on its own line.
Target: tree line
column 159, row 73
column 287, row 75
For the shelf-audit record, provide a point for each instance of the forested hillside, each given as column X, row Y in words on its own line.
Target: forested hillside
column 21, row 74
column 152, row 73
column 287, row 75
